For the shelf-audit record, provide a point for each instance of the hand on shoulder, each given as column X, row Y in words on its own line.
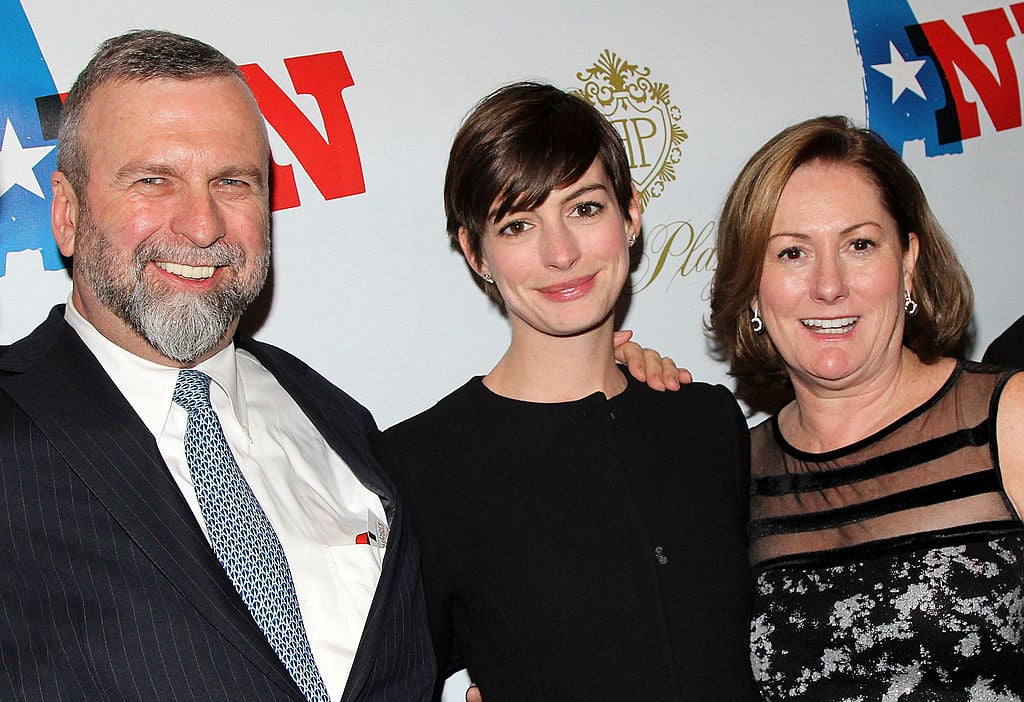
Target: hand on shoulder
column 647, row 365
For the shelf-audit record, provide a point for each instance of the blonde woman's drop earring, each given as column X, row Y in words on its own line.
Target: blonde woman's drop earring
column 908, row 304
column 756, row 323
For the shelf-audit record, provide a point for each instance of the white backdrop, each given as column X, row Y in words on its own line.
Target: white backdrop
column 365, row 288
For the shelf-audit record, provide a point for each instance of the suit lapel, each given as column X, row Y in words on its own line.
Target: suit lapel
column 60, row 385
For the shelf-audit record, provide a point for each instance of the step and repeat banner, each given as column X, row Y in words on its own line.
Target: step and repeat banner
column 362, row 99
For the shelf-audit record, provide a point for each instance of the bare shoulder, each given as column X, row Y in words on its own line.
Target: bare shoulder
column 1010, row 439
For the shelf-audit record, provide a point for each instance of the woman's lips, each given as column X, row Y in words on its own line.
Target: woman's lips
column 570, row 289
column 837, row 325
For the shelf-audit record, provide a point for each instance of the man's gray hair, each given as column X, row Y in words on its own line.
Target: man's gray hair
column 138, row 55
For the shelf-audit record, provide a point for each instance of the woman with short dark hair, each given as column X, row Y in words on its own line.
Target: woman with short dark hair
column 583, row 535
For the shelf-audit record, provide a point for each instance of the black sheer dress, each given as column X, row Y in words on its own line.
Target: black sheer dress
column 892, row 569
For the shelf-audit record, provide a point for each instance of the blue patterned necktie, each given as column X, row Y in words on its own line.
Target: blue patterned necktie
column 242, row 536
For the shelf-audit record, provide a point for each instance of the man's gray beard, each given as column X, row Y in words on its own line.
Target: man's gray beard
column 180, row 326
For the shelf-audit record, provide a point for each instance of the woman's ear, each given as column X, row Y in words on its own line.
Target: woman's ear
column 474, row 261
column 910, row 260
column 635, row 215
column 64, row 212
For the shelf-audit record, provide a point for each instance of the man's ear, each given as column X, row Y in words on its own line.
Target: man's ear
column 64, row 211
column 478, row 266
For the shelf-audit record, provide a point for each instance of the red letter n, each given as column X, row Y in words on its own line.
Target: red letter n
column 1001, row 95
column 333, row 163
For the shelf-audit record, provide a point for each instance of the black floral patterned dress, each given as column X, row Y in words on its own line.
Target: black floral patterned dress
column 892, row 569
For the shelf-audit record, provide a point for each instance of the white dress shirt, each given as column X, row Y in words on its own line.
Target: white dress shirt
column 317, row 506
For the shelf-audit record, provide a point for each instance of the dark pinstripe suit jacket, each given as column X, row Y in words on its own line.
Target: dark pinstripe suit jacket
column 108, row 589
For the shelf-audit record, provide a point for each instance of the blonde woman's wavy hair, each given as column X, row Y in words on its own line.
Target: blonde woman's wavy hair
column 940, row 284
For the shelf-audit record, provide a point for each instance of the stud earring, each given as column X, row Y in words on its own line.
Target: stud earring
column 756, row 323
column 908, row 304
column 632, row 238
column 487, row 278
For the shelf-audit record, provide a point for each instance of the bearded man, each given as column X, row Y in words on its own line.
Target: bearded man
column 189, row 514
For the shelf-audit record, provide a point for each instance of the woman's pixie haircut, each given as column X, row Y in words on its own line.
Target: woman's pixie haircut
column 517, row 145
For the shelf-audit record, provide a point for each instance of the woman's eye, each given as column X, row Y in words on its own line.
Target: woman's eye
column 861, row 244
column 790, row 254
column 514, row 228
column 587, row 209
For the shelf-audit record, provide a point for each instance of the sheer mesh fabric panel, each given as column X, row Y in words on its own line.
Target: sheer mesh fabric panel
column 937, row 478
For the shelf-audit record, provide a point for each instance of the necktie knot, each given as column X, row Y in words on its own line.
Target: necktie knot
column 192, row 391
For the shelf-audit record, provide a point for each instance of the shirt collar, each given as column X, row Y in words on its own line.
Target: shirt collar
column 148, row 386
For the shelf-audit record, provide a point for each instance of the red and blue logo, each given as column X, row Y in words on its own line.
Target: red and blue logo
column 28, row 144
column 936, row 81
